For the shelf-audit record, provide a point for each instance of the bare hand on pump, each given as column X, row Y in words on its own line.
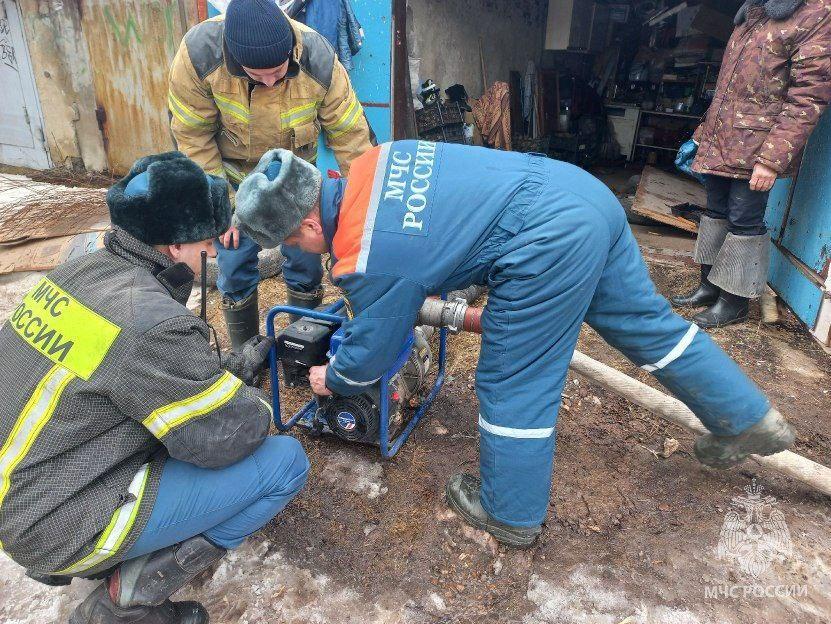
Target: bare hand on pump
column 317, row 379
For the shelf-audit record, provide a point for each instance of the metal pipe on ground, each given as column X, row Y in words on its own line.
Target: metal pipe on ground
column 463, row 317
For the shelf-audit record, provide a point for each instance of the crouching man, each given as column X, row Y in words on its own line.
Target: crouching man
column 129, row 450
column 552, row 244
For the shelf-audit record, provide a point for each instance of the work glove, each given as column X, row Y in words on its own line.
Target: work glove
column 685, row 158
column 251, row 360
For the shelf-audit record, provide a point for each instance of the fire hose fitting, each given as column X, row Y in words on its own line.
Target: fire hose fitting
column 456, row 316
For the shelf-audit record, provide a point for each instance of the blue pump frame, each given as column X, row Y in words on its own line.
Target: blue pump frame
column 306, row 415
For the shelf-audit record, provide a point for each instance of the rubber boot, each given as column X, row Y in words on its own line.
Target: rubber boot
column 705, row 295
column 138, row 592
column 98, row 608
column 727, row 310
column 299, row 299
column 770, row 435
column 242, row 318
column 462, row 493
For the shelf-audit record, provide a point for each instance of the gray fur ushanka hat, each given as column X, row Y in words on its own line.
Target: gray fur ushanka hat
column 276, row 196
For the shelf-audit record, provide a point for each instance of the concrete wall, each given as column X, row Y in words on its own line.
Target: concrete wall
column 445, row 34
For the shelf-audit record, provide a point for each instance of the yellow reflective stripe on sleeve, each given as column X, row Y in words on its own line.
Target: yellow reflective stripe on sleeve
column 232, row 172
column 219, row 171
column 232, row 108
column 186, row 115
column 348, row 120
column 267, row 406
column 61, row 328
column 118, row 528
column 299, row 115
column 34, row 416
column 168, row 417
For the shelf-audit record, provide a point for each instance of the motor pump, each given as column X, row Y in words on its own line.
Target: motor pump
column 312, row 342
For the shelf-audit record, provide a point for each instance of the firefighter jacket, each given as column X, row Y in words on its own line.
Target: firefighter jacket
column 225, row 122
column 772, row 89
column 105, row 373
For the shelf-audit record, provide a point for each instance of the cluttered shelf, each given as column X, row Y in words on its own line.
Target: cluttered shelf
column 632, row 87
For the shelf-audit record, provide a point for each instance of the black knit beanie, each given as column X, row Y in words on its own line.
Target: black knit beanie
column 258, row 34
column 167, row 199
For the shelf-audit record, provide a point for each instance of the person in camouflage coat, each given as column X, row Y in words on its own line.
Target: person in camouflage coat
column 774, row 85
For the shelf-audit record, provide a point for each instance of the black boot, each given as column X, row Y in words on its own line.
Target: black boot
column 727, row 310
column 462, row 493
column 242, row 318
column 309, row 300
column 98, row 608
column 706, row 294
column 138, row 592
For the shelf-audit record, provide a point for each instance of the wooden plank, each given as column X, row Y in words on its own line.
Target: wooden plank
column 659, row 191
column 32, row 210
column 822, row 330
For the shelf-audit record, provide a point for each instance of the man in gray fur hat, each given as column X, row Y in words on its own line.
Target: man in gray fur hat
column 551, row 242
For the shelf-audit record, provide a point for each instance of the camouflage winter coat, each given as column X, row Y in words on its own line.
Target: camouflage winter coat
column 774, row 84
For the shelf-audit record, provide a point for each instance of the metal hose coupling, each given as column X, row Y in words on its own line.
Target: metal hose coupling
column 454, row 315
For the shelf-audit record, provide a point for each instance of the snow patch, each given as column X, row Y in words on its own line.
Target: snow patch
column 587, row 599
column 348, row 472
column 13, row 287
column 24, row 601
column 250, row 586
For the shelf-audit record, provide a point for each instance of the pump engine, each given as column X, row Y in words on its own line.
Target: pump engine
column 312, row 342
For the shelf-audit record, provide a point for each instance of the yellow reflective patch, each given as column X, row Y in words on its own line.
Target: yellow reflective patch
column 63, row 329
column 170, row 416
column 348, row 120
column 232, row 108
column 184, row 114
column 120, row 525
column 33, row 418
column 232, row 172
column 299, row 115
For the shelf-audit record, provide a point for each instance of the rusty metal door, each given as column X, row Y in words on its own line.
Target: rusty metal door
column 131, row 44
column 22, row 140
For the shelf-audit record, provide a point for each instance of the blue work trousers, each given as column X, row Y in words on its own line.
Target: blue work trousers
column 576, row 259
column 239, row 276
column 225, row 505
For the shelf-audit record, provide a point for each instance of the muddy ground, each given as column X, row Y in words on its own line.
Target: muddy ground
column 631, row 536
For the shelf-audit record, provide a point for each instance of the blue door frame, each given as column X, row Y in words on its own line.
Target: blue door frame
column 799, row 217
